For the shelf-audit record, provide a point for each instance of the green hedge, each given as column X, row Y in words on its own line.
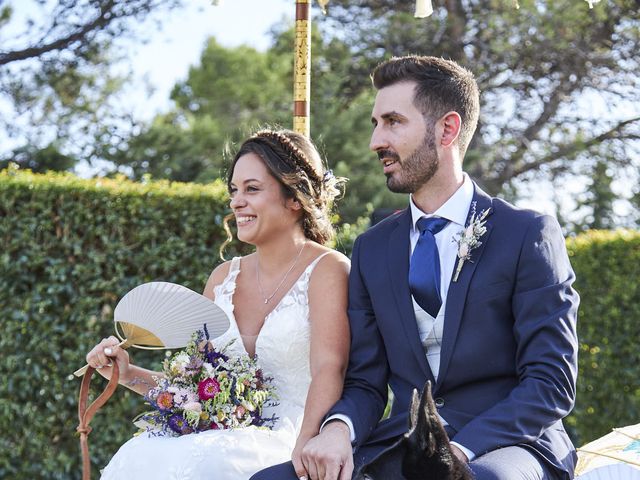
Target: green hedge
column 607, row 266
column 72, row 247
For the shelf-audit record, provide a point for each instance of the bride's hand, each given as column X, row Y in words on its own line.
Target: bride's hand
column 296, row 458
column 328, row 455
column 102, row 355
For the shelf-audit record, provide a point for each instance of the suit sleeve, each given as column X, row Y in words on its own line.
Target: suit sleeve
column 544, row 307
column 365, row 389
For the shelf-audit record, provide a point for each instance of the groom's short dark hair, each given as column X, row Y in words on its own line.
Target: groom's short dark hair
column 442, row 86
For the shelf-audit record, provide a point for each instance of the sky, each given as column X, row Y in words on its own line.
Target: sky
column 170, row 52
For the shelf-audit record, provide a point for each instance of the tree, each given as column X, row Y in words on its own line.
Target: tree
column 558, row 83
column 234, row 91
column 231, row 93
column 40, row 160
column 558, row 80
column 55, row 59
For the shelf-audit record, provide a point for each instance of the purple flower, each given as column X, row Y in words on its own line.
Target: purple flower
column 213, row 355
column 178, row 424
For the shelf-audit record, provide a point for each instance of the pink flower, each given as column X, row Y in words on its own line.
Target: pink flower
column 164, row 400
column 208, row 388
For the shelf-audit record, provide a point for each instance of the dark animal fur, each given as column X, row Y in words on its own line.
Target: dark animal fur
column 423, row 453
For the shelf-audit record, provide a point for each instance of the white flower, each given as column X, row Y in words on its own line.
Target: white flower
column 180, row 362
column 193, row 407
column 469, row 238
column 208, row 368
column 468, row 232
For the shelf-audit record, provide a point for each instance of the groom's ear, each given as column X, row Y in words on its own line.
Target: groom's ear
column 451, row 123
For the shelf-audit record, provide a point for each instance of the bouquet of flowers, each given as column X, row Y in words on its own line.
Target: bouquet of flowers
column 204, row 389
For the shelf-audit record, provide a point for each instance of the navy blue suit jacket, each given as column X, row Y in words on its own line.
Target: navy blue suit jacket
column 509, row 350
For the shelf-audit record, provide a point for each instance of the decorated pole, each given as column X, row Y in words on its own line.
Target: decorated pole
column 301, row 68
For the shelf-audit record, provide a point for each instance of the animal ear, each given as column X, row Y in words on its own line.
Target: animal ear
column 426, row 389
column 427, row 421
column 413, row 411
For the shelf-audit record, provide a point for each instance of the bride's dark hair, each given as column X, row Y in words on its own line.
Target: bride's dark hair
column 295, row 163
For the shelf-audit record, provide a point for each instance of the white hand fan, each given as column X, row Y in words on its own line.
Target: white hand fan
column 160, row 315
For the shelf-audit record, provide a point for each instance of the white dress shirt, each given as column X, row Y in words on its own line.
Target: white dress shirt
column 456, row 210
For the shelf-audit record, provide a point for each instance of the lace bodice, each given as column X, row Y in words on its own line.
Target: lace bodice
column 282, row 346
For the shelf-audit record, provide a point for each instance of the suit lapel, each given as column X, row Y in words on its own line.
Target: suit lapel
column 398, row 263
column 458, row 289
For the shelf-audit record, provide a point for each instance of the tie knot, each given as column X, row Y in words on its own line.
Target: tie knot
column 431, row 224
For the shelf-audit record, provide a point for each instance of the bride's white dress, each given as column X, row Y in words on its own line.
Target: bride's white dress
column 282, row 348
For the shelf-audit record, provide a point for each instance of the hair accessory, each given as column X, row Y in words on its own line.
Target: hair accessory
column 296, row 154
column 328, row 176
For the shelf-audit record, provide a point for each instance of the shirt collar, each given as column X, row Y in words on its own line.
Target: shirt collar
column 455, row 209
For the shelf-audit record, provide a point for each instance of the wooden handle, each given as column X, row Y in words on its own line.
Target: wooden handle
column 85, row 414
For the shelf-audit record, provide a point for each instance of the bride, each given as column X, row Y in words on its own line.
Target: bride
column 287, row 303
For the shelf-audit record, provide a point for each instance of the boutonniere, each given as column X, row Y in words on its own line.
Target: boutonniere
column 469, row 238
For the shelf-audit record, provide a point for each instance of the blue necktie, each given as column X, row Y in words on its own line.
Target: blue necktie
column 424, row 270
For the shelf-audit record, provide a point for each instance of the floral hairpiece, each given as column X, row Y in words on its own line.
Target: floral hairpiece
column 300, row 158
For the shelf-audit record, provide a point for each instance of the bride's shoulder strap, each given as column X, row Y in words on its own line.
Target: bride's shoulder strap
column 336, row 264
column 234, row 265
column 312, row 265
column 221, row 275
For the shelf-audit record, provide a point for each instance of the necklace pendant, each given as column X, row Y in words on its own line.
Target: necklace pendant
column 266, row 300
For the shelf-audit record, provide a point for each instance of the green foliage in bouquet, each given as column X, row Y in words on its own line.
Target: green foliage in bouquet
column 70, row 249
column 607, row 266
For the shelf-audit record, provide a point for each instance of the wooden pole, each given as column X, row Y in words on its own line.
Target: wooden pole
column 301, row 69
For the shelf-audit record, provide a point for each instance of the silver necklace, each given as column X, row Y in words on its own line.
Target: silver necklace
column 265, row 298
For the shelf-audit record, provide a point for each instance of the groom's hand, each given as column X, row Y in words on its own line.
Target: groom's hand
column 328, row 455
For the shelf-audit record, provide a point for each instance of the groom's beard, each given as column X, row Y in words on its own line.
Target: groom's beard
column 416, row 170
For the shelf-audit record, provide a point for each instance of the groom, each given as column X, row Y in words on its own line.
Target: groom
column 461, row 289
